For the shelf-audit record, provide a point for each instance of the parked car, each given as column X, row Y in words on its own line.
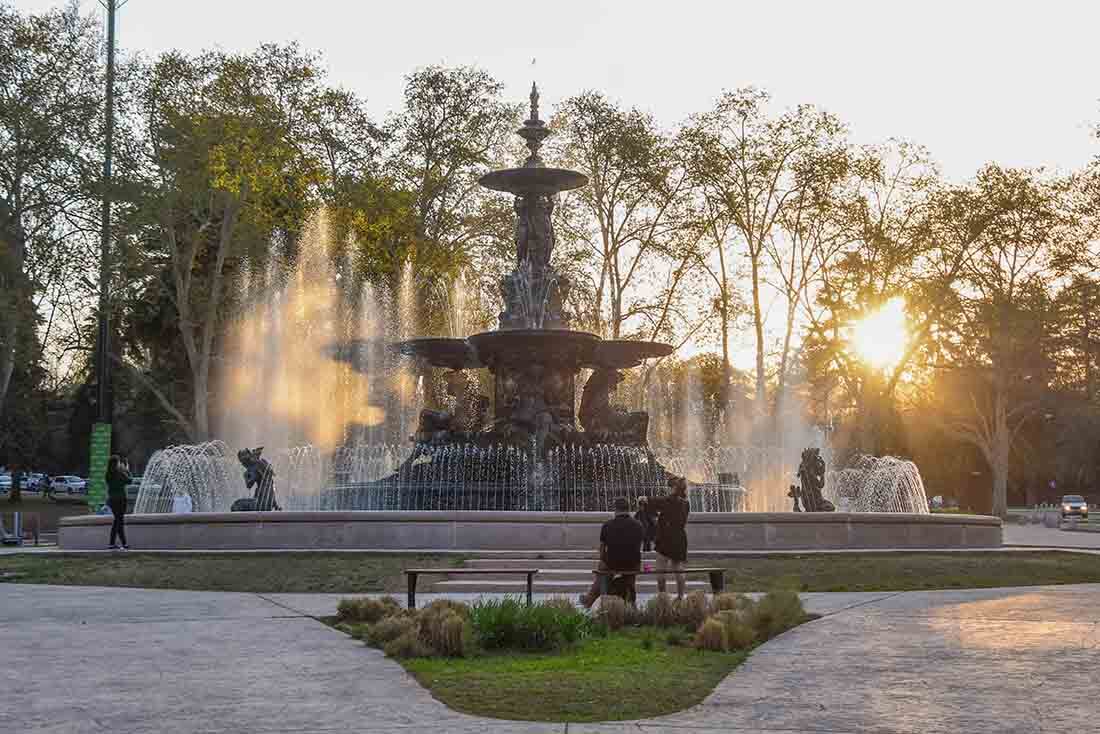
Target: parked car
column 35, row 482
column 1074, row 505
column 68, row 487
column 5, row 484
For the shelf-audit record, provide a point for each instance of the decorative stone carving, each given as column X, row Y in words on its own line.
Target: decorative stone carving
column 259, row 474
column 469, row 416
column 605, row 421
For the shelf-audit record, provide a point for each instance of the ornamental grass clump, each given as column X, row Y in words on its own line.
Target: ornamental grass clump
column 443, row 627
column 712, row 636
column 693, row 609
column 734, row 602
column 384, row 631
column 366, row 611
column 775, row 613
column 612, row 612
column 660, row 611
column 408, row 645
column 739, row 634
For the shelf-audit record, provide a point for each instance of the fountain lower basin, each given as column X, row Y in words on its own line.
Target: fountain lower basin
column 527, row 531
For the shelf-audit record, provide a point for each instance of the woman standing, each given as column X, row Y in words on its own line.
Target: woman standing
column 117, row 479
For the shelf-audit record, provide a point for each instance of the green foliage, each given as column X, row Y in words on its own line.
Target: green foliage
column 676, row 637
column 508, row 623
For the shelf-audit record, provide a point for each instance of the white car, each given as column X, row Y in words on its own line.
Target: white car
column 5, row 484
column 68, row 487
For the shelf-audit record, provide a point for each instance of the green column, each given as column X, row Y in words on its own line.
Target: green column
column 97, row 465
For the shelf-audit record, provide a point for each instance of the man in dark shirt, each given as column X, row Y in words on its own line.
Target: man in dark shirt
column 672, row 542
column 620, row 547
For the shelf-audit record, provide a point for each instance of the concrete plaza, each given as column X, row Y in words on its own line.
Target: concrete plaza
column 80, row 659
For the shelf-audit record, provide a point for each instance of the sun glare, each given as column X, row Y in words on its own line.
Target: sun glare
column 881, row 337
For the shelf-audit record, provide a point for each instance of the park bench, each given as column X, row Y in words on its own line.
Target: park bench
column 717, row 577
column 414, row 573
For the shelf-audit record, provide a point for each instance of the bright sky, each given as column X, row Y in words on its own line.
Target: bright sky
column 973, row 80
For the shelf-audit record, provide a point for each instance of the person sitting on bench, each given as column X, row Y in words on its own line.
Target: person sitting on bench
column 620, row 550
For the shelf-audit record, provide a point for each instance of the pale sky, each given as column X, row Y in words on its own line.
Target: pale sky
column 973, row 80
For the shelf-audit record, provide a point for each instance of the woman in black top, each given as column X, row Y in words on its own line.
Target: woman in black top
column 672, row 542
column 117, row 478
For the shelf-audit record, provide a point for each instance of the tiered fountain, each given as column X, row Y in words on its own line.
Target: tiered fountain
column 536, row 475
column 534, row 452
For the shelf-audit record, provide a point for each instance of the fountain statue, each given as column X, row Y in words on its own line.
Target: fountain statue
column 258, row 473
column 811, row 476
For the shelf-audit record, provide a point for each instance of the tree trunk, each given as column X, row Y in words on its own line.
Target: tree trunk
column 758, row 327
column 12, row 282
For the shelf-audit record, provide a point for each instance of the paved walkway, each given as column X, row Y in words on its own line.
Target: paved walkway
column 79, row 659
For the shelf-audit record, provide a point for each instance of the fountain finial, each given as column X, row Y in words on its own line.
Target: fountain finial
column 534, row 102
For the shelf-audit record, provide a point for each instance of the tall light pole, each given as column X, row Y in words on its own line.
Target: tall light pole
column 101, row 431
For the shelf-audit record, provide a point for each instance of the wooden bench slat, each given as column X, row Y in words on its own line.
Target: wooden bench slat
column 520, row 571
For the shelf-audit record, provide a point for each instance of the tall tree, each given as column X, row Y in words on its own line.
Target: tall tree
column 49, row 130
column 231, row 147
column 1001, row 325
column 632, row 213
column 752, row 163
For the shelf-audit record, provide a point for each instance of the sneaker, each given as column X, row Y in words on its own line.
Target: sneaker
column 125, row 547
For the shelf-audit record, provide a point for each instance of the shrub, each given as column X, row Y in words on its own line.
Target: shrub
column 408, row 645
column 775, row 613
column 636, row 617
column 693, row 609
column 660, row 611
column 561, row 603
column 712, row 636
column 366, row 611
column 432, row 618
column 455, row 638
column 509, row 623
column 612, row 612
column 739, row 634
column 733, row 602
column 390, row 628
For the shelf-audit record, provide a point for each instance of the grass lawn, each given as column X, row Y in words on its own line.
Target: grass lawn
column 362, row 572
column 906, row 571
column 254, row 572
column 606, row 679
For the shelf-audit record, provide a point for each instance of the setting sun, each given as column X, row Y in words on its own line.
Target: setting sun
column 881, row 337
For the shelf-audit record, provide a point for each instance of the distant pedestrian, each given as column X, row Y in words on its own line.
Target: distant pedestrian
column 117, row 478
column 648, row 520
column 672, row 544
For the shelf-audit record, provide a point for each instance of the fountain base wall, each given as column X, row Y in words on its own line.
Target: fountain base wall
column 526, row 531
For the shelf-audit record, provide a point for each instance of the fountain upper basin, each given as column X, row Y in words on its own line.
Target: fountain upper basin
column 547, row 181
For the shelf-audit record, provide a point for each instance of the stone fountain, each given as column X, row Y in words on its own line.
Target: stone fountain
column 534, row 451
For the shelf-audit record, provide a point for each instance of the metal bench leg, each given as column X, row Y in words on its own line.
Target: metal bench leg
column 717, row 581
column 412, row 590
column 530, row 577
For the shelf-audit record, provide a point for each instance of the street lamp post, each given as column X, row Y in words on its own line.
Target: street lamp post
column 100, row 448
